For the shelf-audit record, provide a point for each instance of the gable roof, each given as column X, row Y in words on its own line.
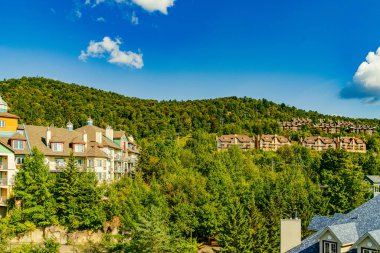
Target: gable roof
column 346, row 233
column 6, row 141
column 37, row 138
column 231, row 137
column 17, row 136
column 271, row 137
column 351, row 139
column 314, row 139
column 373, row 235
column 91, row 135
column 118, row 134
column 365, row 217
column 8, row 115
column 374, row 179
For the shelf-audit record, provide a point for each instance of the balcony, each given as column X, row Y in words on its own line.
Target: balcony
column 119, row 170
column 3, row 201
column 3, row 167
column 3, row 182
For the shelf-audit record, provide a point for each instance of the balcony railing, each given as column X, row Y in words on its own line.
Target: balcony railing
column 3, row 182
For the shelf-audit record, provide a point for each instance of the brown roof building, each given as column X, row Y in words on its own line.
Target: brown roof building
column 352, row 144
column 108, row 155
column 318, row 143
column 242, row 141
column 271, row 142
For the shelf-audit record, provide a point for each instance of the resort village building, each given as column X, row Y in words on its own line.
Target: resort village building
column 274, row 142
column 328, row 126
column 265, row 142
column 318, row 143
column 357, row 231
column 271, row 142
column 109, row 154
column 242, row 141
column 296, row 124
column 352, row 144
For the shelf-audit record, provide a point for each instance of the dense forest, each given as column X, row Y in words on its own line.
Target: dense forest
column 184, row 193
column 44, row 101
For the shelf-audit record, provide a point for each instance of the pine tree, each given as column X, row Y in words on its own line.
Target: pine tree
column 78, row 198
column 33, row 185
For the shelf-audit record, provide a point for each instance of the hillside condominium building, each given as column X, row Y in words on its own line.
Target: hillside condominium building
column 108, row 153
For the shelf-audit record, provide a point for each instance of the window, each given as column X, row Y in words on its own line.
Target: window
column 366, row 250
column 18, row 144
column 58, row 147
column 329, row 247
column 2, row 123
column 19, row 160
column 91, row 163
column 59, row 162
column 99, row 163
column 78, row 148
column 79, row 162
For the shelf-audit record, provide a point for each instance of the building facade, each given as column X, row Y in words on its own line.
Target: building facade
column 271, row 142
column 318, row 143
column 352, row 144
column 242, row 141
column 109, row 154
column 357, row 231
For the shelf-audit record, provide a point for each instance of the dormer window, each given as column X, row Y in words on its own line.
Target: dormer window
column 19, row 145
column 57, row 147
column 78, row 148
column 365, row 250
column 2, row 123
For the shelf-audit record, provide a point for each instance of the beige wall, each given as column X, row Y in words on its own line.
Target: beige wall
column 367, row 243
column 327, row 236
column 290, row 234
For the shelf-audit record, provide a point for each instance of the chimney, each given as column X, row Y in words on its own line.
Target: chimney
column 109, row 133
column 85, row 137
column 48, row 136
column 99, row 136
column 290, row 234
column 69, row 126
column 90, row 122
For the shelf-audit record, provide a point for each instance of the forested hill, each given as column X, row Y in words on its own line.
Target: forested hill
column 44, row 101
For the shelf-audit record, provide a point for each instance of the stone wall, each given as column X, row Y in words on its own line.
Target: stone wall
column 61, row 235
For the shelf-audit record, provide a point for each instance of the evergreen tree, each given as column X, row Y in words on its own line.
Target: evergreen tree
column 244, row 230
column 78, row 198
column 34, row 186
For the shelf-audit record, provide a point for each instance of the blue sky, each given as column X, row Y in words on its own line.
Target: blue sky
column 310, row 54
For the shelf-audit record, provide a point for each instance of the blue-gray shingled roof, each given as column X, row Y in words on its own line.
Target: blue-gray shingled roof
column 366, row 218
column 319, row 222
column 345, row 233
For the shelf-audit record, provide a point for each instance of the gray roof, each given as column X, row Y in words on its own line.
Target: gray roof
column 319, row 222
column 375, row 235
column 366, row 218
column 345, row 233
column 374, row 179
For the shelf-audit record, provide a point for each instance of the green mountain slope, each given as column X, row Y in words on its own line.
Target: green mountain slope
column 44, row 101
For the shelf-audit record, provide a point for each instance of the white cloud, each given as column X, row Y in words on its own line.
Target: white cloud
column 368, row 73
column 101, row 19
column 134, row 19
column 366, row 81
column 155, row 5
column 78, row 13
column 116, row 56
column 149, row 5
column 94, row 3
